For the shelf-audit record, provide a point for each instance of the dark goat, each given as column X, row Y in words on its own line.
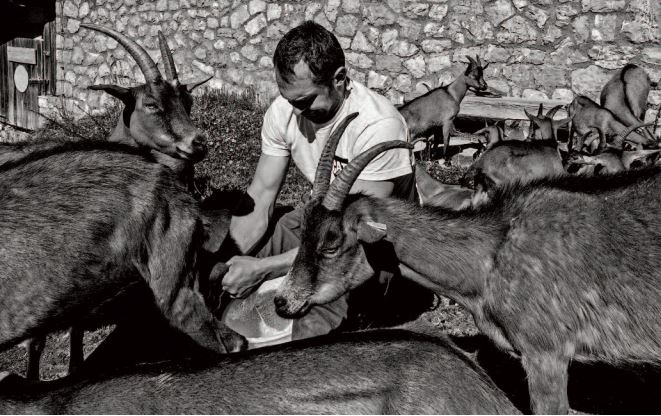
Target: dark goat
column 81, row 224
column 520, row 161
column 625, row 95
column 587, row 115
column 372, row 372
column 434, row 112
column 523, row 265
column 156, row 114
column 156, row 118
column 544, row 127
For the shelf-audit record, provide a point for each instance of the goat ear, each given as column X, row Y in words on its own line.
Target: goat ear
column 371, row 232
column 123, row 93
column 191, row 87
column 531, row 117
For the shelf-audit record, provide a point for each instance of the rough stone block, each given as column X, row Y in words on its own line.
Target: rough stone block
column 347, row 25
column 498, row 11
column 589, row 81
column 601, row 6
column 361, row 44
column 518, row 30
column 379, row 14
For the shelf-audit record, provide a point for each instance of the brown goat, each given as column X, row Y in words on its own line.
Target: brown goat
column 84, row 222
column 434, row 112
column 156, row 114
column 523, row 265
column 371, row 372
column 625, row 95
column 587, row 115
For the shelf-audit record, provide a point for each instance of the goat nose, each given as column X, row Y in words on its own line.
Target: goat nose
column 280, row 302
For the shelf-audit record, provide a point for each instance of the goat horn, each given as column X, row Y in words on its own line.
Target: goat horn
column 623, row 136
column 141, row 57
column 166, row 56
column 477, row 59
column 325, row 166
column 419, row 139
column 342, row 184
column 471, row 60
column 540, row 110
column 530, row 116
column 551, row 112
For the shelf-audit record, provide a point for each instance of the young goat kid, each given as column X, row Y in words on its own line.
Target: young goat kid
column 434, row 112
column 524, row 264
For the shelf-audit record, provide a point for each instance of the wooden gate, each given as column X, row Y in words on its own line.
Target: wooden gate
column 27, row 70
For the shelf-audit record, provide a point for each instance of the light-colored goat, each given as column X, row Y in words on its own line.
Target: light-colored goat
column 521, row 264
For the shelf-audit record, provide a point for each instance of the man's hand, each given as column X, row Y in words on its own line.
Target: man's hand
column 244, row 275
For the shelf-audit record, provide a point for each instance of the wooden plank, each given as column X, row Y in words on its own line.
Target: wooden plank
column 21, row 55
column 4, row 82
column 506, row 107
column 50, row 53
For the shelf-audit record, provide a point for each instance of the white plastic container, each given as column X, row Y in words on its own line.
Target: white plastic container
column 255, row 318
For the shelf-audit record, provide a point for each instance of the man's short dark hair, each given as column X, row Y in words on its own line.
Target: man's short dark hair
column 316, row 46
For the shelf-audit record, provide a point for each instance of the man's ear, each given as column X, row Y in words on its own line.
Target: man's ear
column 340, row 77
column 124, row 94
column 370, row 232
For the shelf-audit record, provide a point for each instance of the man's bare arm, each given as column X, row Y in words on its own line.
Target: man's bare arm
column 247, row 230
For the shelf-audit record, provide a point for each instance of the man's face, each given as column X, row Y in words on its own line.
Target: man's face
column 317, row 103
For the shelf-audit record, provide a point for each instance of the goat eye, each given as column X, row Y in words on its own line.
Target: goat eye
column 151, row 107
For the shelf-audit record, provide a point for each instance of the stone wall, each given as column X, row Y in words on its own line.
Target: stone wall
column 537, row 48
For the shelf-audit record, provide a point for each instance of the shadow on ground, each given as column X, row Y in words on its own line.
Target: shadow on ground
column 593, row 388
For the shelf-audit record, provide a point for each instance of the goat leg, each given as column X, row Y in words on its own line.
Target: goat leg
column 547, row 382
column 35, row 347
column 75, row 348
column 446, row 128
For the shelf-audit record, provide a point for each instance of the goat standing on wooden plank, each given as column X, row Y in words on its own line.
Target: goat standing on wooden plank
column 81, row 224
column 523, row 265
column 625, row 95
column 434, row 112
column 371, row 372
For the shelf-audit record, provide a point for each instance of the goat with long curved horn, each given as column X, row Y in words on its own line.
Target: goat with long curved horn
column 325, row 166
column 551, row 113
column 142, row 58
column 342, row 184
column 168, row 60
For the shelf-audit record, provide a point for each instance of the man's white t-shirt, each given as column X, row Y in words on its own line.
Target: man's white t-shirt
column 285, row 134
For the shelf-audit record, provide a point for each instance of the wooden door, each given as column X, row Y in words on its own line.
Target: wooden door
column 27, row 70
